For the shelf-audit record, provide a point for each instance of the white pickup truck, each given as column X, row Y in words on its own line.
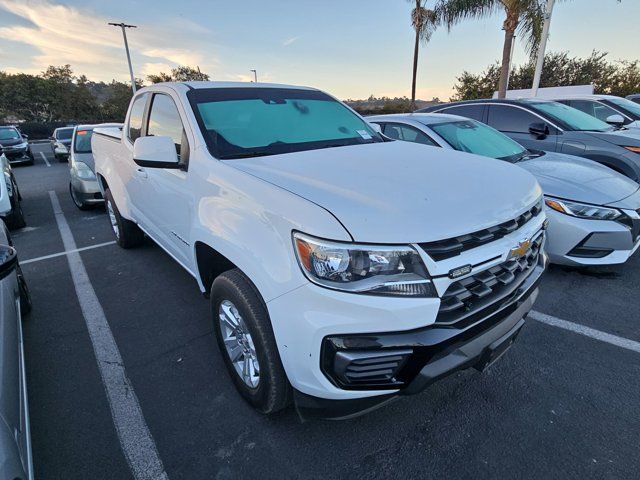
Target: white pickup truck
column 344, row 269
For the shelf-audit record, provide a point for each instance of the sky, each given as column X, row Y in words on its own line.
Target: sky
column 350, row 48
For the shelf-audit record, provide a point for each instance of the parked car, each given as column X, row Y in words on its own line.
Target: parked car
column 343, row 270
column 83, row 187
column 616, row 111
column 593, row 211
column 554, row 127
column 15, row 145
column 634, row 98
column 10, row 198
column 15, row 303
column 61, row 142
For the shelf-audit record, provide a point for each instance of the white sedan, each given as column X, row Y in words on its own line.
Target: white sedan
column 594, row 212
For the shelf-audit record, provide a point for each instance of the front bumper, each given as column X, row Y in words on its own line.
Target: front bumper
column 580, row 242
column 87, row 191
column 412, row 360
column 16, row 155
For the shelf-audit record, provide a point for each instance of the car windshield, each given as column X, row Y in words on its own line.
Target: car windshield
column 251, row 122
column 575, row 119
column 475, row 137
column 626, row 104
column 82, row 142
column 64, row 133
column 9, row 134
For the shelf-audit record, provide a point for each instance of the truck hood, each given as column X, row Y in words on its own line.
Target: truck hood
column 579, row 179
column 399, row 192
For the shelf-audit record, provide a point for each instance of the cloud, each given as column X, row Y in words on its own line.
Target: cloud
column 81, row 37
column 289, row 41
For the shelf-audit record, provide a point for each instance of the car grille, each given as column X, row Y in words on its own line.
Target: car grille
column 465, row 298
column 452, row 247
column 633, row 224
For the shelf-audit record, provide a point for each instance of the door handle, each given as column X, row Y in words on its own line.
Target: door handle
column 141, row 172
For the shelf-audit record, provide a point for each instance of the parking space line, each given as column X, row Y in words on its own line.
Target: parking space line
column 59, row 254
column 586, row 331
column 136, row 441
column 44, row 157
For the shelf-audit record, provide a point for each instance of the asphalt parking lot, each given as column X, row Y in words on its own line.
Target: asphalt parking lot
column 559, row 404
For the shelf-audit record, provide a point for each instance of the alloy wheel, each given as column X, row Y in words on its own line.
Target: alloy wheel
column 238, row 344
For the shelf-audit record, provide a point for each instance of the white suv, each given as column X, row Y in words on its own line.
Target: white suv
column 343, row 269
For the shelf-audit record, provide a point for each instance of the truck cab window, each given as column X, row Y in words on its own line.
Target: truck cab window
column 135, row 117
column 164, row 120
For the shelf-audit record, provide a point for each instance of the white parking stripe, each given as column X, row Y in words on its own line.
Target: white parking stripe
column 586, row 331
column 59, row 254
column 44, row 157
column 136, row 441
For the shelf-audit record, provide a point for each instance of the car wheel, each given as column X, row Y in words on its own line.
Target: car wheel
column 79, row 203
column 128, row 234
column 31, row 157
column 15, row 219
column 25, row 294
column 245, row 338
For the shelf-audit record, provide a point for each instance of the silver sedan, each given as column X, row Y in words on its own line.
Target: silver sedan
column 593, row 211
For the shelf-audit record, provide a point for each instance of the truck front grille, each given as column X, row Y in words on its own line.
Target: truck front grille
column 465, row 298
column 452, row 247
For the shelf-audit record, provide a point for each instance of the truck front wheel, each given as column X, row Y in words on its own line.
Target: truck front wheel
column 245, row 338
column 128, row 234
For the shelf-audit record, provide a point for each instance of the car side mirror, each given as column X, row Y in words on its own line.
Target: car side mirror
column 26, row 137
column 8, row 260
column 539, row 129
column 616, row 120
column 155, row 152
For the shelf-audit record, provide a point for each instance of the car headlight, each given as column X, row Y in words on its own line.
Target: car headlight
column 61, row 146
column 8, row 183
column 368, row 269
column 581, row 210
column 22, row 145
column 83, row 171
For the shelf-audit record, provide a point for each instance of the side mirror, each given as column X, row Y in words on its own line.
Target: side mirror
column 616, row 120
column 376, row 127
column 155, row 152
column 26, row 137
column 539, row 129
column 8, row 260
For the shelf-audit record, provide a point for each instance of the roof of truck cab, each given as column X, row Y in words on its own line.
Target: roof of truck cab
column 203, row 85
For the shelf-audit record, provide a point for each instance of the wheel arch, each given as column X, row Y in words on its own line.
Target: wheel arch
column 210, row 263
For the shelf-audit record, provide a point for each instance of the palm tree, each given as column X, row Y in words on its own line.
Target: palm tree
column 424, row 22
column 526, row 17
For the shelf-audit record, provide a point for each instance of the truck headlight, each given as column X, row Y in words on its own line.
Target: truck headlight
column 581, row 210
column 83, row 171
column 369, row 269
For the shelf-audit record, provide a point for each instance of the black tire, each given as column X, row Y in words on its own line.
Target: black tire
column 77, row 202
column 128, row 234
column 31, row 157
column 25, row 294
column 15, row 219
column 273, row 391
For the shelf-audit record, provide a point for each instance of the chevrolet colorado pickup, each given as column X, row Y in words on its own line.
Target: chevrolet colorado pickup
column 343, row 269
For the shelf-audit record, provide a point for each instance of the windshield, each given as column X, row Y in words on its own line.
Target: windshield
column 475, row 137
column 626, row 104
column 82, row 142
column 64, row 133
column 250, row 122
column 9, row 134
column 573, row 118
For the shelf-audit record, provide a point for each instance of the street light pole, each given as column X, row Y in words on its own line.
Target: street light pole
column 255, row 75
column 124, row 26
column 548, row 10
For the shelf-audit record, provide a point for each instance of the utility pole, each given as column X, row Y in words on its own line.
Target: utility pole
column 255, row 75
column 548, row 10
column 124, row 26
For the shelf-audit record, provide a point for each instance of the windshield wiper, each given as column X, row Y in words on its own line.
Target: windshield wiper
column 256, row 153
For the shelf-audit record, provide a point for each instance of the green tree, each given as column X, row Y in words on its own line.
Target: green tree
column 522, row 16
column 424, row 23
column 179, row 74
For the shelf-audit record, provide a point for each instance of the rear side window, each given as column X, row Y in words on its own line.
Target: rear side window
column 408, row 134
column 136, row 116
column 469, row 111
column 511, row 119
column 164, row 120
column 595, row 109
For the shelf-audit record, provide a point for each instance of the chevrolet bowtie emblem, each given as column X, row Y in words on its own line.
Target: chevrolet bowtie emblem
column 521, row 250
